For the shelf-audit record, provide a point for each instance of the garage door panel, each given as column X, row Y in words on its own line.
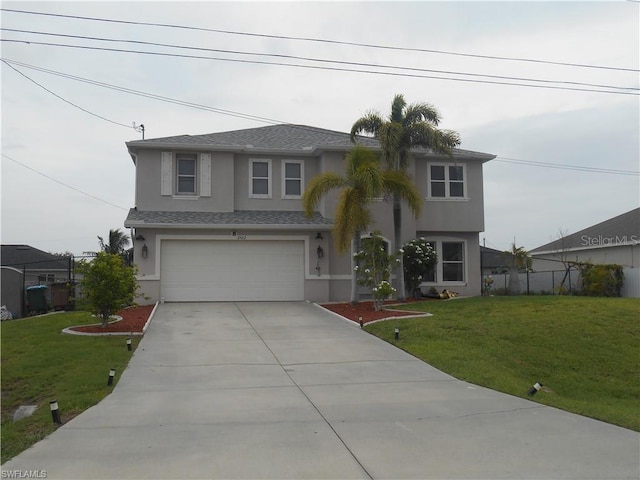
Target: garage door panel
column 232, row 270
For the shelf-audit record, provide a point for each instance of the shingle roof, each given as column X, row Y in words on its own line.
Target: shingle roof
column 255, row 218
column 284, row 137
column 19, row 256
column 621, row 230
column 492, row 258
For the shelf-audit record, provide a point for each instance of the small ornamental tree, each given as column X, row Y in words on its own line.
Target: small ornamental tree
column 109, row 285
column 373, row 268
column 418, row 257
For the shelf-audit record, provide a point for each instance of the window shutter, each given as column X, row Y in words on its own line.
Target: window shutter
column 205, row 174
column 166, row 174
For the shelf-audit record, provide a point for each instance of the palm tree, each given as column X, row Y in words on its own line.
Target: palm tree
column 408, row 126
column 517, row 259
column 361, row 183
column 118, row 242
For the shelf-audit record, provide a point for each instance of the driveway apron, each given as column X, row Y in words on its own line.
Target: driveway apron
column 288, row 390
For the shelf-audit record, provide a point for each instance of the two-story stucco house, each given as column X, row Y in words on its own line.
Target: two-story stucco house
column 218, row 217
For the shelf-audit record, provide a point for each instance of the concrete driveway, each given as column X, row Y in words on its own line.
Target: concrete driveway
column 287, row 390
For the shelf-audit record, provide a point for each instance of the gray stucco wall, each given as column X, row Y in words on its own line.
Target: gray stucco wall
column 455, row 219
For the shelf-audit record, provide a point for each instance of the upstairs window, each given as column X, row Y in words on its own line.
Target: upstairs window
column 292, row 179
column 186, row 174
column 260, row 178
column 447, row 181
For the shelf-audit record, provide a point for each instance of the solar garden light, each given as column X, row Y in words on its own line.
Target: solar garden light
column 55, row 413
column 533, row 390
column 112, row 373
column 396, row 333
column 129, row 343
column 360, row 320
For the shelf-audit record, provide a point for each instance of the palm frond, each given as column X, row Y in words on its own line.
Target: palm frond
column 427, row 136
column 369, row 123
column 397, row 108
column 401, row 184
column 421, row 112
column 318, row 187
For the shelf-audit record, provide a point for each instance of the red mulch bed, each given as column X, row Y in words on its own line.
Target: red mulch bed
column 133, row 320
column 367, row 311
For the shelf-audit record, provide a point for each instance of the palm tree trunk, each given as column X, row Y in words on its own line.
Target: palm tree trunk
column 355, row 297
column 397, row 239
column 514, row 281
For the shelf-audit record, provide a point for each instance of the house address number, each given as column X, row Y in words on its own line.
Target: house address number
column 241, row 237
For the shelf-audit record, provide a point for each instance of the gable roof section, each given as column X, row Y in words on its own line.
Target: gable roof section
column 492, row 258
column 617, row 231
column 288, row 138
column 255, row 219
column 19, row 256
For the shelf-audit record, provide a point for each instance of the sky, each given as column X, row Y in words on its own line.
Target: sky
column 567, row 156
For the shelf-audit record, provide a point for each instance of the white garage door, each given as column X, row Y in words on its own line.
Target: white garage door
column 197, row 270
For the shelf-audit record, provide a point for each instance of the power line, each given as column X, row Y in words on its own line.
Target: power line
column 311, row 59
column 316, row 67
column 63, row 99
column 566, row 166
column 63, row 184
column 276, row 122
column 320, row 40
column 175, row 101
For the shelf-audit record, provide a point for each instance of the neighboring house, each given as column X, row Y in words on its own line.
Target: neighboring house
column 218, row 217
column 25, row 266
column 493, row 261
column 614, row 241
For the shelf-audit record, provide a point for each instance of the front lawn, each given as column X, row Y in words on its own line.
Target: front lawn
column 40, row 364
column 584, row 350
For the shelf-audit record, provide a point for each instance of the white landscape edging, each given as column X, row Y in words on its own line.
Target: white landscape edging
column 117, row 319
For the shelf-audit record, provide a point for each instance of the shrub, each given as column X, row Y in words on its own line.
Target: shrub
column 109, row 285
column 374, row 268
column 601, row 280
column 418, row 257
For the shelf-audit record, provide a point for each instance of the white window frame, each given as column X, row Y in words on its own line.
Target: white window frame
column 437, row 243
column 285, row 195
column 251, row 178
column 447, row 181
column 194, row 158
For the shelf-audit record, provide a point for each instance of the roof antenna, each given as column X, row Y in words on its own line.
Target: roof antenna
column 139, row 128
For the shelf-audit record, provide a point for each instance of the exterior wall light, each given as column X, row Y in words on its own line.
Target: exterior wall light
column 320, row 252
column 145, row 251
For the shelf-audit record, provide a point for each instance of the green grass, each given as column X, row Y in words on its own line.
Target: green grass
column 40, row 364
column 585, row 350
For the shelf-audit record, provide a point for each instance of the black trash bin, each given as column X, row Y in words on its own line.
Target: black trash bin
column 37, row 299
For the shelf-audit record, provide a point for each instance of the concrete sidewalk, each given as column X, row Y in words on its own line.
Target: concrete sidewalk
column 287, row 390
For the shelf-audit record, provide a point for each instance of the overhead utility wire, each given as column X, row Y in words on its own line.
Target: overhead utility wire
column 311, row 59
column 62, row 183
column 566, row 166
column 321, row 40
column 317, row 67
column 65, row 100
column 302, row 127
column 139, row 93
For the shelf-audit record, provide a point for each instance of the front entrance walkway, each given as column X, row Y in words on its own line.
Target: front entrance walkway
column 287, row 390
